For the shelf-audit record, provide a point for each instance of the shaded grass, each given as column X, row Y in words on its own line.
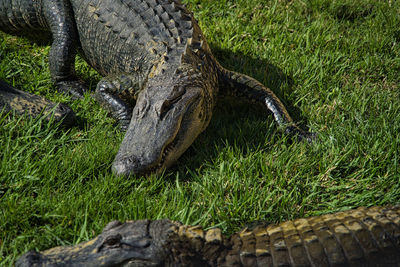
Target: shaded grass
column 334, row 63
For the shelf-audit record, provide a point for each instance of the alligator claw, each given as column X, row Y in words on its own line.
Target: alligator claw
column 74, row 88
column 308, row 136
column 301, row 135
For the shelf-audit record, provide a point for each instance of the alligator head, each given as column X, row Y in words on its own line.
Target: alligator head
column 168, row 116
column 128, row 244
column 134, row 243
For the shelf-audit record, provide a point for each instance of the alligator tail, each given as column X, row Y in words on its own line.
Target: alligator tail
column 23, row 103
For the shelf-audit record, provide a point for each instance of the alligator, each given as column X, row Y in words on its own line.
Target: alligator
column 358, row 237
column 160, row 79
column 24, row 103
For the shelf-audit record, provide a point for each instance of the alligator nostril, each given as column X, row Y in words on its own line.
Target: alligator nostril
column 125, row 165
column 130, row 160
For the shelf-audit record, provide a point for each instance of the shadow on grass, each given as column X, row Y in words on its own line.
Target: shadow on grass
column 265, row 72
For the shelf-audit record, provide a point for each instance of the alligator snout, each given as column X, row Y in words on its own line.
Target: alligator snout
column 126, row 165
column 131, row 165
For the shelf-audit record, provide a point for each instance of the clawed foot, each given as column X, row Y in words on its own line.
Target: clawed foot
column 123, row 125
column 74, row 88
column 301, row 135
column 308, row 136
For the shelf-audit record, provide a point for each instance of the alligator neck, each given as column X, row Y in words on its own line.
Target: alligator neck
column 195, row 247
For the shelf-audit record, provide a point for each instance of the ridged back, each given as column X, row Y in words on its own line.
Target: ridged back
column 361, row 237
column 21, row 16
column 131, row 35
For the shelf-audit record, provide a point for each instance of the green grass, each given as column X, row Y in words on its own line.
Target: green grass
column 336, row 66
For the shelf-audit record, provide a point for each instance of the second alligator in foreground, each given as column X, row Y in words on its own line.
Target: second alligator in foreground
column 360, row 237
column 154, row 57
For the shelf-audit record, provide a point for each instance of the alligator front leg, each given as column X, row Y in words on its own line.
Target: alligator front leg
column 243, row 86
column 60, row 19
column 117, row 95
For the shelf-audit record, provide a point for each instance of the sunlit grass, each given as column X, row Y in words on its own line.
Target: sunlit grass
column 334, row 63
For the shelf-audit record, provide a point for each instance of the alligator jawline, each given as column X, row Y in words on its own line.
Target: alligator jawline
column 166, row 151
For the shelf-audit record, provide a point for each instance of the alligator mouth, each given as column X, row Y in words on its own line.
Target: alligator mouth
column 166, row 152
column 143, row 157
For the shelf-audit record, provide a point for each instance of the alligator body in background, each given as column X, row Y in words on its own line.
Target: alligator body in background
column 161, row 80
column 20, row 102
column 360, row 237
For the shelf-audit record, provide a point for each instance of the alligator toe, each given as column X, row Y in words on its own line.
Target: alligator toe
column 301, row 135
column 74, row 88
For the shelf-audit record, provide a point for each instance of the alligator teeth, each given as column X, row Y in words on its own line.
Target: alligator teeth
column 166, row 152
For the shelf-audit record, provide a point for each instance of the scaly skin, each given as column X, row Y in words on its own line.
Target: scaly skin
column 360, row 237
column 161, row 80
column 23, row 103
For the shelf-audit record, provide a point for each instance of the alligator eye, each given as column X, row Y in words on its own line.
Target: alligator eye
column 165, row 106
column 112, row 241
